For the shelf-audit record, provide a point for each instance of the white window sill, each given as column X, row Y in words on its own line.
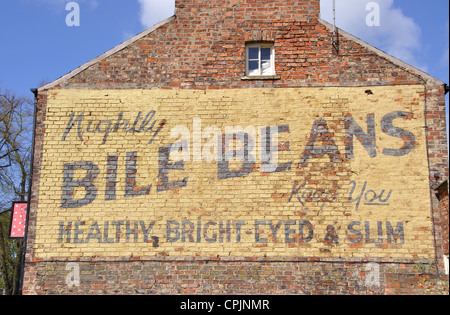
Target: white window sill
column 261, row 77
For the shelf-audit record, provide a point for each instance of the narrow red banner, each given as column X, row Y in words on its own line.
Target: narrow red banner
column 18, row 220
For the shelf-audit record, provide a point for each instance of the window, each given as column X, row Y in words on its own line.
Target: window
column 260, row 59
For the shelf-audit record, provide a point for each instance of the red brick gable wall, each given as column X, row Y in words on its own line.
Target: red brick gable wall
column 282, row 9
column 204, row 47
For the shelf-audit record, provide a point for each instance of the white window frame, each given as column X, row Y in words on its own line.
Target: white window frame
column 272, row 59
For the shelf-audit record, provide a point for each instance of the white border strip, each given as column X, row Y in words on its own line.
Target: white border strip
column 446, row 264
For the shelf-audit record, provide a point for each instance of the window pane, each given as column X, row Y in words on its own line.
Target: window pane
column 266, row 68
column 253, row 68
column 253, row 53
column 265, row 53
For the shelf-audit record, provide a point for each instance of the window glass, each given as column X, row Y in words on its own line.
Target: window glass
column 265, row 53
column 266, row 69
column 253, row 67
column 253, row 53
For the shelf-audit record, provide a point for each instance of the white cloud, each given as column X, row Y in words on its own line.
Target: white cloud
column 154, row 11
column 397, row 35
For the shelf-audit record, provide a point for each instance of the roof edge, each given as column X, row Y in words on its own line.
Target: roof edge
column 425, row 76
column 106, row 54
column 440, row 185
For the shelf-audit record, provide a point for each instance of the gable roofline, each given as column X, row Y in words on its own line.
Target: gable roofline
column 423, row 75
column 110, row 52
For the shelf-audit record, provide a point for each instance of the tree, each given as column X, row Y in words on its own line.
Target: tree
column 16, row 124
column 10, row 260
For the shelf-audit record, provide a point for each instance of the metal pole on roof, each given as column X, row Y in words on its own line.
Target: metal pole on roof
column 334, row 14
column 335, row 39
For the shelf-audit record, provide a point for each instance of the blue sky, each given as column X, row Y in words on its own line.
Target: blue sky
column 37, row 45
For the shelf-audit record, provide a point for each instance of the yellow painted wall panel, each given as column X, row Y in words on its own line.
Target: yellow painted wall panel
column 369, row 199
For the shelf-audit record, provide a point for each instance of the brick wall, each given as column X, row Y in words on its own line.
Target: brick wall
column 115, row 208
column 233, row 277
column 205, row 49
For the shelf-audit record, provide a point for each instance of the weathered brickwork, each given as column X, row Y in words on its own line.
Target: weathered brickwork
column 203, row 47
column 320, row 199
column 160, row 168
column 213, row 277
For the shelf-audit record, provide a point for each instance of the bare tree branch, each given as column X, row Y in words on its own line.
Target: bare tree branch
column 16, row 121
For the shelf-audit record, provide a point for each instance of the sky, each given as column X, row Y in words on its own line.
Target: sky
column 37, row 45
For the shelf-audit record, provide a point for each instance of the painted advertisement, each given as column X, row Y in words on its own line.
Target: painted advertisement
column 307, row 172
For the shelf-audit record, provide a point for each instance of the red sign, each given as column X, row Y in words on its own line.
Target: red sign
column 18, row 220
